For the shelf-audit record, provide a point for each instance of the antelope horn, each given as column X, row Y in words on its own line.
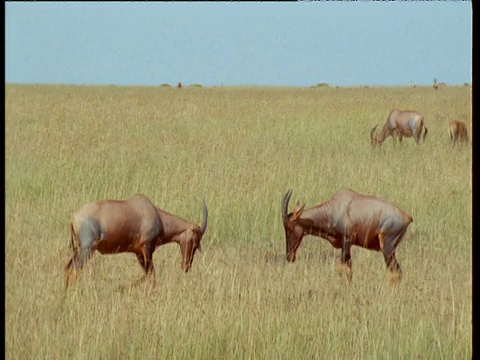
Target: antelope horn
column 285, row 201
column 372, row 132
column 205, row 218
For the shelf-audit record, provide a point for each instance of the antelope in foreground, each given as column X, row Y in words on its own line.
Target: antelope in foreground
column 347, row 219
column 134, row 225
column 457, row 130
column 401, row 123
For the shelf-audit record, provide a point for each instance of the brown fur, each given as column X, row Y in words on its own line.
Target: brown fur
column 134, row 225
column 457, row 131
column 400, row 123
column 437, row 85
column 347, row 219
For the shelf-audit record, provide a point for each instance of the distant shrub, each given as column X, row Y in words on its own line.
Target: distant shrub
column 195, row 85
column 321, row 85
column 165, row 85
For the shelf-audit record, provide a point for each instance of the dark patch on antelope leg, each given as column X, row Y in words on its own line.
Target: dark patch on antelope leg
column 390, row 259
column 346, row 257
column 145, row 258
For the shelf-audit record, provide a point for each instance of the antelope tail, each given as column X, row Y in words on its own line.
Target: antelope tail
column 425, row 133
column 372, row 134
column 72, row 245
column 72, row 237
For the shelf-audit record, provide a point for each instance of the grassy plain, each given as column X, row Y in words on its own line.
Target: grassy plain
column 241, row 148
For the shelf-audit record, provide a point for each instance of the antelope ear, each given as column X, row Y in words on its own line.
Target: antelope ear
column 295, row 209
column 297, row 206
column 297, row 212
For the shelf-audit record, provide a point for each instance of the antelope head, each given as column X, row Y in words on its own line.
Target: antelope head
column 190, row 240
column 293, row 230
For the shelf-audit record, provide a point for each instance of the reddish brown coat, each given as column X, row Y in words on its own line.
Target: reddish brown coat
column 134, row 225
column 400, row 123
column 347, row 219
column 457, row 131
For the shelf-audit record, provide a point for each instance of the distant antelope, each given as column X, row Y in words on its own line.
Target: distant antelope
column 179, row 85
column 457, row 130
column 135, row 226
column 437, row 85
column 401, row 123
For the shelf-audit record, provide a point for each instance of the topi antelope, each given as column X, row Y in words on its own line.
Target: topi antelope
column 457, row 130
column 134, row 225
column 401, row 123
column 437, row 85
column 347, row 219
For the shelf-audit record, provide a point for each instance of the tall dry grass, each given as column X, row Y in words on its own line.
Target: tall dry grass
column 241, row 148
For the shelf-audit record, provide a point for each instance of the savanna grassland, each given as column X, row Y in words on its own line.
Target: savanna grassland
column 241, row 149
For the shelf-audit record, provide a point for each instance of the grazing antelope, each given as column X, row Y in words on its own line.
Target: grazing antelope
column 401, row 123
column 134, row 225
column 437, row 85
column 347, row 219
column 457, row 130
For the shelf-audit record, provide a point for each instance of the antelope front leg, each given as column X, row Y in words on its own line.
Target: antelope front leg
column 339, row 265
column 394, row 137
column 346, row 258
column 145, row 258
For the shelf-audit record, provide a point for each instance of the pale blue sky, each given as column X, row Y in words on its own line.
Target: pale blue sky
column 246, row 43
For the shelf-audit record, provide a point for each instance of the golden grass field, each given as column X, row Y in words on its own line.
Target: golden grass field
column 241, row 148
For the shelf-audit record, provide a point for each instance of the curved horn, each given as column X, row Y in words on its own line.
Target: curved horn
column 205, row 218
column 372, row 132
column 285, row 201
